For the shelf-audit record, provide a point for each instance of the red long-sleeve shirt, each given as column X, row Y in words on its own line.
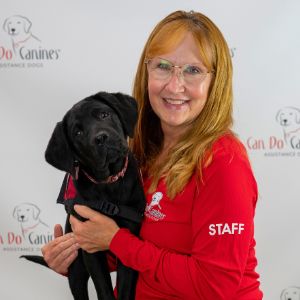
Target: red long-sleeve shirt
column 199, row 245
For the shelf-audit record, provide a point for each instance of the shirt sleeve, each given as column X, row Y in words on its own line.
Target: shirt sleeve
column 222, row 230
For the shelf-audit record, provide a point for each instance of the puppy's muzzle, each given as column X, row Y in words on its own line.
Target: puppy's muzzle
column 101, row 138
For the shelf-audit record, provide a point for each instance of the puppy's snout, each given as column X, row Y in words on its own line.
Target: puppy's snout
column 101, row 138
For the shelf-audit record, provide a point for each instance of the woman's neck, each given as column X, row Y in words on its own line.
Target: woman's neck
column 171, row 136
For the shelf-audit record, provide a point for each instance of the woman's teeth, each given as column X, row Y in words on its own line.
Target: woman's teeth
column 175, row 101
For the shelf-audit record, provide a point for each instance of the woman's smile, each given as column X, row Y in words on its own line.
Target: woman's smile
column 175, row 103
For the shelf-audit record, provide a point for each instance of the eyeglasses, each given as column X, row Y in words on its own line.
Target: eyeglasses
column 162, row 69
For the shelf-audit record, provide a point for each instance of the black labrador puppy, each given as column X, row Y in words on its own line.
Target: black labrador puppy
column 90, row 145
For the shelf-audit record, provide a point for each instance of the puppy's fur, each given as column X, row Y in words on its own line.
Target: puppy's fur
column 90, row 144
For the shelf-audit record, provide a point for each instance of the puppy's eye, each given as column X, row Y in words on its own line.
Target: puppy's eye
column 78, row 133
column 103, row 115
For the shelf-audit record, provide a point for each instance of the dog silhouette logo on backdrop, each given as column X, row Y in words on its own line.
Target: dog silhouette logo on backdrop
column 290, row 293
column 28, row 215
column 289, row 119
column 19, row 29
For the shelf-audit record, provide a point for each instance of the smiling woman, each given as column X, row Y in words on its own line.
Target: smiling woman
column 174, row 99
column 197, row 236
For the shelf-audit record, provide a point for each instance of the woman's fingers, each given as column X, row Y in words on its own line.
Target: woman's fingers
column 58, row 231
column 85, row 211
column 60, row 252
column 62, row 261
column 96, row 233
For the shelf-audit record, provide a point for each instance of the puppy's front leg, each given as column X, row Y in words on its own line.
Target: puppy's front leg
column 126, row 279
column 78, row 275
column 97, row 266
column 78, row 278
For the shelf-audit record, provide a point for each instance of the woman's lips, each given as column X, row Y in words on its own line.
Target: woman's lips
column 175, row 103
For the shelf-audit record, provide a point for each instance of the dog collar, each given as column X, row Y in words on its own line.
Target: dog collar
column 109, row 179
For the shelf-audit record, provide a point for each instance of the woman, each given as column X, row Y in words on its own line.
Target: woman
column 197, row 235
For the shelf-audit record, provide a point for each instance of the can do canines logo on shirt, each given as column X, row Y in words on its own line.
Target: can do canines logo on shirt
column 286, row 142
column 22, row 47
column 31, row 233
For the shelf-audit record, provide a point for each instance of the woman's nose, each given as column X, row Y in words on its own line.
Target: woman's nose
column 176, row 82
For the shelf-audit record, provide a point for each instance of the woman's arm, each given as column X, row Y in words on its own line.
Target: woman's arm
column 222, row 232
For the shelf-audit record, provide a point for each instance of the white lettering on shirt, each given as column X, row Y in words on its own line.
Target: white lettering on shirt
column 226, row 228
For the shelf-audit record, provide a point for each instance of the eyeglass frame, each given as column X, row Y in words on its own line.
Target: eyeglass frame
column 147, row 60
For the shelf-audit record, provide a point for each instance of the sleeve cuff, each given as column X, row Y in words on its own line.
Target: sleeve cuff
column 120, row 239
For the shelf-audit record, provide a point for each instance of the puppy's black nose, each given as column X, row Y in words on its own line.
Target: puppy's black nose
column 13, row 29
column 101, row 138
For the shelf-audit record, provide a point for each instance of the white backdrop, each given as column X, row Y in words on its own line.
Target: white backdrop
column 95, row 45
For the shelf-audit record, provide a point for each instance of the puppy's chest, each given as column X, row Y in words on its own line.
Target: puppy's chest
column 105, row 192
column 91, row 195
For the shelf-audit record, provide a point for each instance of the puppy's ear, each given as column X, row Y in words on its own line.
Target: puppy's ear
column 128, row 112
column 58, row 152
column 124, row 105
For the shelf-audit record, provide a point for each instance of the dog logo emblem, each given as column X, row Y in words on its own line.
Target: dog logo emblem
column 27, row 214
column 289, row 119
column 19, row 29
column 155, row 200
column 153, row 209
column 290, row 293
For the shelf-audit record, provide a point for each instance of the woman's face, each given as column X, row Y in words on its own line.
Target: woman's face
column 177, row 100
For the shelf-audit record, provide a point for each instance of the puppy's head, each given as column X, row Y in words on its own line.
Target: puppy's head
column 94, row 134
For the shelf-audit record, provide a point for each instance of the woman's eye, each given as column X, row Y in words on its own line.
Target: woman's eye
column 164, row 66
column 192, row 70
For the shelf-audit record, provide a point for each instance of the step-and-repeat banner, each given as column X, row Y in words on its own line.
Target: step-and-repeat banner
column 54, row 53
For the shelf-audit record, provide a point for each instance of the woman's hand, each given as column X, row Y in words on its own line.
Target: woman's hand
column 96, row 233
column 61, row 252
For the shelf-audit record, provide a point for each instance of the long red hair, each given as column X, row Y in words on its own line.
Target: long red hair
column 214, row 120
